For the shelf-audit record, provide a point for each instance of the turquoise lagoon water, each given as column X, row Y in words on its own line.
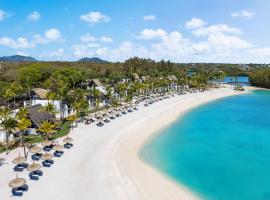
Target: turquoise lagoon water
column 220, row 150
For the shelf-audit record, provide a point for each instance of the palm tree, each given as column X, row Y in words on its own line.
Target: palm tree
column 23, row 125
column 8, row 125
column 72, row 119
column 47, row 128
column 16, row 88
column 109, row 93
column 81, row 107
column 22, row 113
column 9, row 93
column 49, row 108
column 96, row 94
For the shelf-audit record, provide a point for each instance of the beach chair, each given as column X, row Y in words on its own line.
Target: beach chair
column 47, row 148
column 58, row 154
column 24, row 188
column 17, row 192
column 33, row 176
column 100, row 124
column 67, row 146
column 24, row 165
column 107, row 121
column 39, row 172
column 46, row 164
column 50, row 161
column 18, row 168
column 35, row 157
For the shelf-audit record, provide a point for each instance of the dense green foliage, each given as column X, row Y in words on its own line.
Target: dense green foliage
column 260, row 78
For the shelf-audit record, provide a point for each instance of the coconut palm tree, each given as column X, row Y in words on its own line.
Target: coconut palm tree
column 8, row 125
column 96, row 94
column 72, row 119
column 16, row 89
column 50, row 109
column 22, row 113
column 81, row 107
column 47, row 128
column 8, row 95
column 23, row 125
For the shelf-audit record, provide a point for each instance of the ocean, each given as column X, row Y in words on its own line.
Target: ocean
column 220, row 150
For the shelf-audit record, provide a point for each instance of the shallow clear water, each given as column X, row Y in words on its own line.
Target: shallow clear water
column 220, row 150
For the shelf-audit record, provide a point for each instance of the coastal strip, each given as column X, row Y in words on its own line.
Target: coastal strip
column 104, row 162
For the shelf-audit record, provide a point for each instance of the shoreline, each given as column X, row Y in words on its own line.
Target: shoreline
column 167, row 187
column 104, row 162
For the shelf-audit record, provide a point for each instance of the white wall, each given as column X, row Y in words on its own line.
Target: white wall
column 56, row 104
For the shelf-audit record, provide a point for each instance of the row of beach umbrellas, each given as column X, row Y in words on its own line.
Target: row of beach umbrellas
column 19, row 182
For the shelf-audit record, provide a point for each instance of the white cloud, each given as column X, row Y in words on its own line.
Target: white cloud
column 34, row 16
column 87, row 38
column 149, row 18
column 218, row 28
column 20, row 43
column 195, row 23
column 53, row 34
column 95, row 17
column 58, row 54
column 223, row 44
column 221, row 39
column 93, row 45
column 260, row 52
column 106, row 39
column 3, row 15
column 152, row 34
column 50, row 35
column 243, row 14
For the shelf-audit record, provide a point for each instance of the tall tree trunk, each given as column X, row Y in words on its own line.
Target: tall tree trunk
column 7, row 141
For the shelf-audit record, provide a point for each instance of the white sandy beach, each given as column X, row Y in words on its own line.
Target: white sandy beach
column 104, row 162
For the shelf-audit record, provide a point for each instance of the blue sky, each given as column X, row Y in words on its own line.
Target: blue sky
column 179, row 30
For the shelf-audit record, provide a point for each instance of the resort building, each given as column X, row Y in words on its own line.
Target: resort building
column 39, row 97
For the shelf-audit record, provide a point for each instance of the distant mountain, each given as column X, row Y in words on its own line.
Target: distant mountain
column 17, row 58
column 92, row 60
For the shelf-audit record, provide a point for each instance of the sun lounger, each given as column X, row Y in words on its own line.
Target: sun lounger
column 24, row 188
column 33, row 176
column 58, row 153
column 107, row 121
column 47, row 148
column 68, row 145
column 100, row 124
column 35, row 157
column 17, row 192
column 50, row 161
column 38, row 172
column 18, row 168
column 46, row 164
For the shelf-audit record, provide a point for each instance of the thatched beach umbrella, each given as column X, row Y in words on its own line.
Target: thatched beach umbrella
column 35, row 149
column 46, row 156
column 58, row 147
column 67, row 140
column 33, row 167
column 46, row 143
column 19, row 160
column 17, row 182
